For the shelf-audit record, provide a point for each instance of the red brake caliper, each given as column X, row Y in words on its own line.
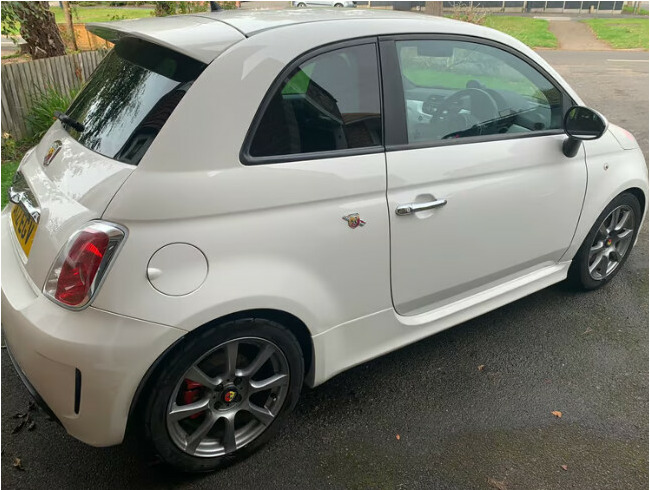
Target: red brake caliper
column 191, row 393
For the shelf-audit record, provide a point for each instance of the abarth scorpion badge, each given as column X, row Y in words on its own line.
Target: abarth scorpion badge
column 51, row 153
column 353, row 220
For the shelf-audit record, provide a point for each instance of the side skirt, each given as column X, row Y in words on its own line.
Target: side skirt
column 362, row 339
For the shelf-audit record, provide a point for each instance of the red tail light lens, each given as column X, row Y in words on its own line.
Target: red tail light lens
column 81, row 264
column 80, row 267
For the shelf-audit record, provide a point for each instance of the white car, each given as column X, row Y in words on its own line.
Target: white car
column 319, row 3
column 242, row 203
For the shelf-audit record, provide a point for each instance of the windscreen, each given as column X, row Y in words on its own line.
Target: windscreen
column 129, row 98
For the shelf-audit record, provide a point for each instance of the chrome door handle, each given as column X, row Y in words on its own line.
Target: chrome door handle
column 414, row 207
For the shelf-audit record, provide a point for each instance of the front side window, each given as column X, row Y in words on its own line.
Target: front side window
column 129, row 98
column 456, row 89
column 328, row 103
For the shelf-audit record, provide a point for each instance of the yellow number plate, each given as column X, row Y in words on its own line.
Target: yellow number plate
column 24, row 227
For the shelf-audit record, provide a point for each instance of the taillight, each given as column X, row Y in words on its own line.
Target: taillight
column 81, row 265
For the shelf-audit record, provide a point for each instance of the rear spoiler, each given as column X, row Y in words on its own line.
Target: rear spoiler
column 200, row 38
column 113, row 34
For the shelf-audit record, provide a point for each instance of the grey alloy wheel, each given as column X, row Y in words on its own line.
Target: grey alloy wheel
column 228, row 397
column 611, row 243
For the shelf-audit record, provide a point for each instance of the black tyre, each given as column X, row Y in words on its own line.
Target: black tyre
column 223, row 394
column 608, row 244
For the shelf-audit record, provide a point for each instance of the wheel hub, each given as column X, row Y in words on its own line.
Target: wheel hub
column 230, row 397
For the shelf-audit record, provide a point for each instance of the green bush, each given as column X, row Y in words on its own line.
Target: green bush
column 8, row 170
column 12, row 153
column 41, row 115
column 163, row 9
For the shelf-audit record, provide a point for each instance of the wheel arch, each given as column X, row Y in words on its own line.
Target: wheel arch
column 606, row 183
column 640, row 195
column 297, row 327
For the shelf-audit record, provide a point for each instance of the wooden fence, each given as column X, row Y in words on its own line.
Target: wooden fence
column 22, row 82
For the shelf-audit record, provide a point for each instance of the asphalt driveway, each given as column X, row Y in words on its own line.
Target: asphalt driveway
column 426, row 416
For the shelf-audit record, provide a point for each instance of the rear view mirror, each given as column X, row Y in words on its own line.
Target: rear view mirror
column 581, row 123
column 435, row 49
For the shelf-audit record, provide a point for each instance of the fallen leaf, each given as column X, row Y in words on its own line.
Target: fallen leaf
column 564, row 467
column 499, row 485
column 481, row 367
column 589, row 330
column 19, row 427
column 397, row 437
column 557, row 413
column 18, row 464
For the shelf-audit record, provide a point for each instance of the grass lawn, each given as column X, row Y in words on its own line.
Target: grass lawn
column 425, row 77
column 100, row 14
column 621, row 33
column 533, row 32
column 8, row 171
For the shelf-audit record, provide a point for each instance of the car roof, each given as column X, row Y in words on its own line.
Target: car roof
column 250, row 22
column 206, row 35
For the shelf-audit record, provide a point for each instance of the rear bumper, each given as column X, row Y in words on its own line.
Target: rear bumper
column 32, row 391
column 48, row 344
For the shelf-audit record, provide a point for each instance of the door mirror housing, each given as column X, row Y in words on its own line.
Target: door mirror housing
column 581, row 124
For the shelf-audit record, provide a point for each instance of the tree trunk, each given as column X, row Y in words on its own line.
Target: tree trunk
column 433, row 8
column 68, row 20
column 39, row 30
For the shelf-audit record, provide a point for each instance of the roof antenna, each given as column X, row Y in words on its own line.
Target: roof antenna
column 215, row 7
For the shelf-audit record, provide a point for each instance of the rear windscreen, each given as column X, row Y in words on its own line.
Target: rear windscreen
column 129, row 98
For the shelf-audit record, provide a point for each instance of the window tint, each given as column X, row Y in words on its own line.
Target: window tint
column 330, row 102
column 129, row 98
column 455, row 89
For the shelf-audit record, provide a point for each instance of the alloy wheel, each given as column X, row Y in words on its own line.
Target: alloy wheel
column 612, row 241
column 228, row 397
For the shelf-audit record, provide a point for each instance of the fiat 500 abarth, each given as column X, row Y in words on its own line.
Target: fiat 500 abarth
column 238, row 204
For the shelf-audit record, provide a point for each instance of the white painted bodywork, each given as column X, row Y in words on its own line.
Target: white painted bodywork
column 272, row 235
column 510, row 208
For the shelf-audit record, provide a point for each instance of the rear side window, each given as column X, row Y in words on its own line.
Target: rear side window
column 328, row 103
column 129, row 98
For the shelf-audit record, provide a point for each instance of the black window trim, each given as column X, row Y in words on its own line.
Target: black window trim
column 395, row 132
column 244, row 154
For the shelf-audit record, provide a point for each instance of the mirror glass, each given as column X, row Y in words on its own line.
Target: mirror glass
column 583, row 123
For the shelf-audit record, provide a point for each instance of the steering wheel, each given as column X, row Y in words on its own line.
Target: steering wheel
column 482, row 107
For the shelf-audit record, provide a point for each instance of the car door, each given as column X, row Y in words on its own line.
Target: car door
column 479, row 191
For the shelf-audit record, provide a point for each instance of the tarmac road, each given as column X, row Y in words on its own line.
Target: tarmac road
column 585, row 355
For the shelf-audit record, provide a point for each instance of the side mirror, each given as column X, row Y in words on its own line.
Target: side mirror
column 581, row 123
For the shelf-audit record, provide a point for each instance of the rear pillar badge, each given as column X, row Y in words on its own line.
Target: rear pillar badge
column 354, row 220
